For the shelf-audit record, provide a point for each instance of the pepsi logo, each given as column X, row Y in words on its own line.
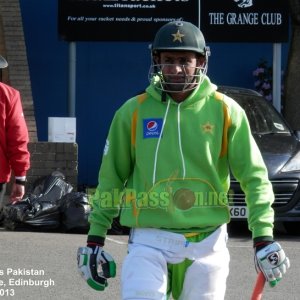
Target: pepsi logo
column 152, row 125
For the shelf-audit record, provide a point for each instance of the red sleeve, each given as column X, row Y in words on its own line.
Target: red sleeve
column 17, row 136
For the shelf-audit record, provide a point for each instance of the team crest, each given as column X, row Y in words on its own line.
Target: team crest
column 207, row 128
column 177, row 36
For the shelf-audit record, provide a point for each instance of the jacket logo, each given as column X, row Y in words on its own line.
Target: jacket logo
column 106, row 147
column 152, row 127
column 208, row 128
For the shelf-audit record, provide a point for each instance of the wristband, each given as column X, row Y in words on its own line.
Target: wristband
column 96, row 240
column 20, row 182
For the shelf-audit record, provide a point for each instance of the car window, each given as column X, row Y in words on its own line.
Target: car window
column 263, row 117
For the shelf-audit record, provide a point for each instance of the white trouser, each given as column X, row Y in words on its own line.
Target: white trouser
column 145, row 273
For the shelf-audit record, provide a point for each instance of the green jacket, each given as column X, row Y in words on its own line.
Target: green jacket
column 167, row 165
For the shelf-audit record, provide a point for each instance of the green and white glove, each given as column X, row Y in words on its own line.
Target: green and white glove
column 271, row 260
column 95, row 266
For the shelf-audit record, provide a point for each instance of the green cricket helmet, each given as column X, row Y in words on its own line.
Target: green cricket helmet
column 178, row 36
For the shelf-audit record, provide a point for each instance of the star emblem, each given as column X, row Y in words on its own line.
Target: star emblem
column 208, row 128
column 178, row 36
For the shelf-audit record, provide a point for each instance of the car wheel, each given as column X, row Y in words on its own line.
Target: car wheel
column 292, row 227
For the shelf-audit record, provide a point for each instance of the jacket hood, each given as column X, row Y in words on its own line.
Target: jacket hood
column 201, row 91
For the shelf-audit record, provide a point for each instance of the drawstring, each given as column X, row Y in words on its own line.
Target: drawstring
column 163, row 96
column 179, row 142
column 179, row 139
column 158, row 143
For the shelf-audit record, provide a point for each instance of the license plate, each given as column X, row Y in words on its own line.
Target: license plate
column 238, row 212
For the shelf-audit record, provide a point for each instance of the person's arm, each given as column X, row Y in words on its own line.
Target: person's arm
column 115, row 169
column 17, row 145
column 249, row 169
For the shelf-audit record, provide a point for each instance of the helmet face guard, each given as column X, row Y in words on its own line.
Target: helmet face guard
column 189, row 82
column 178, row 36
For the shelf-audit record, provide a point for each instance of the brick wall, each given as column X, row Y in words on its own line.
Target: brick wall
column 13, row 48
column 47, row 157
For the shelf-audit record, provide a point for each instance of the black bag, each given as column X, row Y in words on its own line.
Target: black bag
column 75, row 210
column 40, row 209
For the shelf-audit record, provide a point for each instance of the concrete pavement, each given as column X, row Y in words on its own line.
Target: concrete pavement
column 49, row 259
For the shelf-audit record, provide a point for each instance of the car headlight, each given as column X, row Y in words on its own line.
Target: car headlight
column 293, row 165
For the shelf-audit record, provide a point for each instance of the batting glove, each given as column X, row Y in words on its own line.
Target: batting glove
column 95, row 266
column 272, row 262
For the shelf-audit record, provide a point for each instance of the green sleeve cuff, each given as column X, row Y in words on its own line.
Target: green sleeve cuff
column 262, row 232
